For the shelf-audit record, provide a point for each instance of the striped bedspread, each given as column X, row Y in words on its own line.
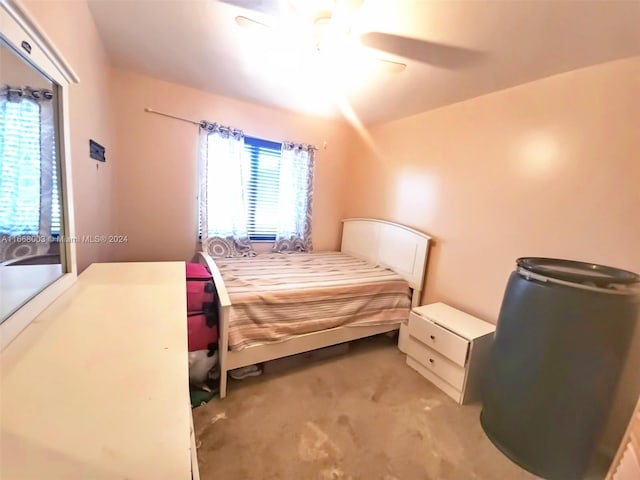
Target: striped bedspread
column 276, row 296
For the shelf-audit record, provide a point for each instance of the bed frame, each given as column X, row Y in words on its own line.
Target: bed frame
column 394, row 246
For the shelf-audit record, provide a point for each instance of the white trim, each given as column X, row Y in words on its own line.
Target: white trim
column 20, row 14
column 387, row 233
column 68, row 250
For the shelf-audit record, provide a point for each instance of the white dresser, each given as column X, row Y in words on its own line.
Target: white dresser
column 97, row 386
column 450, row 348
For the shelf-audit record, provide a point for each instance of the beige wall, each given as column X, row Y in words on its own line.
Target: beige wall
column 70, row 27
column 16, row 72
column 156, row 176
column 549, row 168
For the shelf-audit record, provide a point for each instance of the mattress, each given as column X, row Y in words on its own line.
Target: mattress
column 277, row 296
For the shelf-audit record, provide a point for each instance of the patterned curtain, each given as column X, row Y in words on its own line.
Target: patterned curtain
column 223, row 208
column 27, row 183
column 294, row 203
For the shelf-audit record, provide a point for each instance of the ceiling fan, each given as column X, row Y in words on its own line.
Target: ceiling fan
column 330, row 24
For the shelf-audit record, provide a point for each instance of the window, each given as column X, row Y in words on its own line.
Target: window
column 261, row 187
column 20, row 171
column 253, row 189
column 261, row 169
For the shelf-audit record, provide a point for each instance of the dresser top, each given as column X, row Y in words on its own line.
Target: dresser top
column 452, row 319
column 96, row 387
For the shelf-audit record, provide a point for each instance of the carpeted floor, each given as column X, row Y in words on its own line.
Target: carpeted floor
column 364, row 415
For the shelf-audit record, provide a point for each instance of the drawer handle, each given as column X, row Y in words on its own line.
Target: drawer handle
column 431, row 361
column 432, row 337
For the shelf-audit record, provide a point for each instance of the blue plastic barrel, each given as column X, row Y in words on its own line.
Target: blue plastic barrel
column 562, row 338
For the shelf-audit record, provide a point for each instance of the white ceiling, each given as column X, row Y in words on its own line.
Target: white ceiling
column 198, row 43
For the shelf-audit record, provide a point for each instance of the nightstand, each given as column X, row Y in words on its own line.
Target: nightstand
column 450, row 348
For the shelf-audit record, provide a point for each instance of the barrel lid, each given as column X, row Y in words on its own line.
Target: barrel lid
column 578, row 272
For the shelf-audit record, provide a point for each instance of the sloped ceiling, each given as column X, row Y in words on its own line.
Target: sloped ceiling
column 198, row 43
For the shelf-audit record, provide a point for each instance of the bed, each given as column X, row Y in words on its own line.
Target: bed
column 275, row 305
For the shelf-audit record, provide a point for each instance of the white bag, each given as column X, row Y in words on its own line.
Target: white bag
column 199, row 365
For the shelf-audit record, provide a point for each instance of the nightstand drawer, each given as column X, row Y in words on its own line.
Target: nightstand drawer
column 436, row 363
column 440, row 339
column 436, row 380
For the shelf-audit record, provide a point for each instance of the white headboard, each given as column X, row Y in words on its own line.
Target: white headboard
column 400, row 248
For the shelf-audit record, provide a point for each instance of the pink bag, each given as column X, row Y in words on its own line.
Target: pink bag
column 200, row 334
column 200, row 288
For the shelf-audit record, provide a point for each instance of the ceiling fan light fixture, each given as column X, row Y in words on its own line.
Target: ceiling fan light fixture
column 322, row 22
column 321, row 33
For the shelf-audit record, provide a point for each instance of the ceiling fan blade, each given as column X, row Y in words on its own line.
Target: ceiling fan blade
column 268, row 7
column 391, row 66
column 437, row 54
column 250, row 24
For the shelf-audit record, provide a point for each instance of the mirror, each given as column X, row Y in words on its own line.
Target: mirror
column 31, row 227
